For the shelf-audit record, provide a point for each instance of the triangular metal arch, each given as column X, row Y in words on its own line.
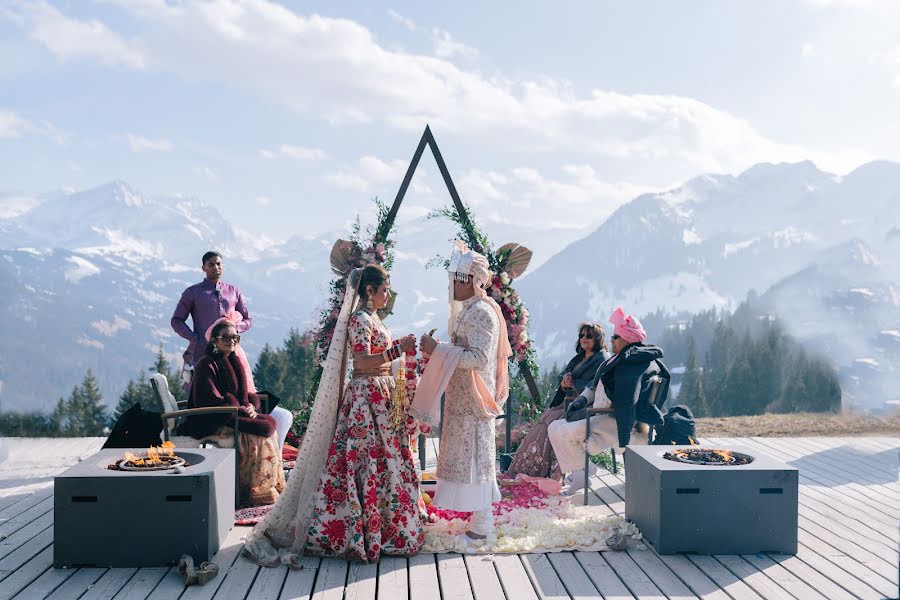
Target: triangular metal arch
column 428, row 140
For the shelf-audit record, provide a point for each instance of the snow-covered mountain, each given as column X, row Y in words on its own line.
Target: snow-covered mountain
column 92, row 277
column 827, row 245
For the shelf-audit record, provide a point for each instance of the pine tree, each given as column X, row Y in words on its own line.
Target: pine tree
column 93, row 414
column 268, row 374
column 162, row 366
column 691, row 392
column 129, row 398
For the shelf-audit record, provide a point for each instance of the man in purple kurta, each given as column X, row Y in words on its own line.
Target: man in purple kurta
column 206, row 302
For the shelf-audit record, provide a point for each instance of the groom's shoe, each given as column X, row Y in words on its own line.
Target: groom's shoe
column 574, row 476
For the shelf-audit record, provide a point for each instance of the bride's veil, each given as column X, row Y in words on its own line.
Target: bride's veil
column 287, row 523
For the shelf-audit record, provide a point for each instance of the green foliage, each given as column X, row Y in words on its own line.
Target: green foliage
column 288, row 373
column 27, row 425
column 751, row 366
column 83, row 414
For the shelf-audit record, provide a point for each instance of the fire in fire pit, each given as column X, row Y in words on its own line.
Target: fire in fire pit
column 158, row 458
column 705, row 456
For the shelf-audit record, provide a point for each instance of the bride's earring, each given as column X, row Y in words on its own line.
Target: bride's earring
column 369, row 304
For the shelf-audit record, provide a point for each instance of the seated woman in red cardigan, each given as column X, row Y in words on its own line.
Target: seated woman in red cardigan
column 219, row 380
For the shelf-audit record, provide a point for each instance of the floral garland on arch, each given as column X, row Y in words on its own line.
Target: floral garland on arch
column 347, row 255
column 507, row 263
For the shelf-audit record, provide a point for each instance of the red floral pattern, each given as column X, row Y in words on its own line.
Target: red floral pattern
column 364, row 505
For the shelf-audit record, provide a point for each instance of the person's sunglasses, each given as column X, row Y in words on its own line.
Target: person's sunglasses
column 615, row 337
column 228, row 338
column 589, row 336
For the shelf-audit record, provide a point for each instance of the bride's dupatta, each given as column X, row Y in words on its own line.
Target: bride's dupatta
column 287, row 524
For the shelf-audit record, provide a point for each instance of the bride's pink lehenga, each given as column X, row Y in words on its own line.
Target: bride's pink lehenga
column 366, row 500
column 354, row 491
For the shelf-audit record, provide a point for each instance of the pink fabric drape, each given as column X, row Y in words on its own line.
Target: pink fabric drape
column 234, row 318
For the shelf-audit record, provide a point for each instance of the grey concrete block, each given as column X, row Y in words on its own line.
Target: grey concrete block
column 709, row 509
column 108, row 518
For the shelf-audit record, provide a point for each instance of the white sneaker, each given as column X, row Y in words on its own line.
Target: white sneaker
column 573, row 488
column 576, row 475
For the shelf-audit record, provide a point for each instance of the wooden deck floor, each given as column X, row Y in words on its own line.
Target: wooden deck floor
column 849, row 515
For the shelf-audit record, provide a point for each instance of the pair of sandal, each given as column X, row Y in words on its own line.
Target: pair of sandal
column 196, row 576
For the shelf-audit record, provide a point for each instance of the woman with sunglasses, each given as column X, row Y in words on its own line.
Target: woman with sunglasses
column 535, row 456
column 220, row 380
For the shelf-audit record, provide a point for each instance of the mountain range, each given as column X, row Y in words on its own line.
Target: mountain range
column 92, row 277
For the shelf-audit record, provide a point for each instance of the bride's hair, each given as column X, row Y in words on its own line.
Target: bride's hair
column 373, row 275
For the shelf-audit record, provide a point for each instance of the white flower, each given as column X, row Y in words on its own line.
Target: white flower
column 504, row 278
column 523, row 337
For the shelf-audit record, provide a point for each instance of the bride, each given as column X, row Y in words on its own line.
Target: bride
column 354, row 491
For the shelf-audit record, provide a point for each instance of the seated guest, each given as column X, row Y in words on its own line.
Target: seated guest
column 535, row 455
column 219, row 380
column 621, row 383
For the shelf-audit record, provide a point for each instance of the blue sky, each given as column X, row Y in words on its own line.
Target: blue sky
column 291, row 117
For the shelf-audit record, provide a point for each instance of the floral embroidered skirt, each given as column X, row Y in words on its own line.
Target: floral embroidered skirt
column 261, row 473
column 535, row 454
column 366, row 499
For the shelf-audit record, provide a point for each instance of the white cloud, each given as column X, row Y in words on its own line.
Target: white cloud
column 295, row 152
column 110, row 329
column 405, row 22
column 70, row 38
column 90, row 343
column 263, row 200
column 447, row 47
column 14, row 126
column 140, row 143
column 347, row 181
column 891, row 60
column 205, row 172
column 349, row 77
column 378, row 171
column 808, row 50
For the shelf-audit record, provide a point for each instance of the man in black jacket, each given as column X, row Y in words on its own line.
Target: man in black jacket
column 622, row 384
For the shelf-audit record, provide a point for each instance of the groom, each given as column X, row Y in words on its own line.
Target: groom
column 474, row 371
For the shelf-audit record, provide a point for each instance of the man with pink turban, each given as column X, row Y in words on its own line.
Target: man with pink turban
column 473, row 369
column 621, row 383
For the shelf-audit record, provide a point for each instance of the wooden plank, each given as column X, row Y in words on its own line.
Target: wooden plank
column 572, row 575
column 268, row 583
column 820, row 504
column 693, row 577
column 862, row 460
column 543, row 577
column 21, row 578
column 423, row 577
column 862, row 556
column 485, row 580
column 838, row 497
column 225, row 557
column 393, row 581
column 237, row 579
column 513, row 577
column 23, row 502
column 453, row 577
column 109, row 584
column 15, row 541
column 834, row 573
column 860, row 472
column 819, row 477
column 632, row 576
column 24, row 553
column 51, row 579
column 142, row 584
column 331, row 579
column 667, row 581
column 604, row 578
column 877, row 459
column 362, row 581
column 77, row 584
column 806, row 574
column 848, row 564
column 170, row 587
column 826, row 476
column 13, row 523
column 298, row 584
column 764, row 586
column 724, row 578
column 782, row 577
